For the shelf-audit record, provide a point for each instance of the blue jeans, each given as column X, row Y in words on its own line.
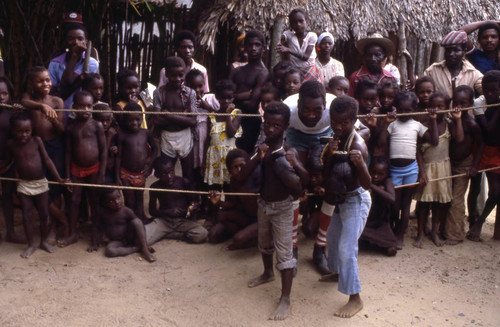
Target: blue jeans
column 342, row 237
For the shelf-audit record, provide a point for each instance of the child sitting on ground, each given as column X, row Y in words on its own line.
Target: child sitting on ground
column 237, row 215
column 223, row 133
column 338, row 85
column 436, row 196
column 29, row 157
column 86, row 159
column 136, row 152
column 293, row 81
column 122, row 227
column 8, row 187
column 346, row 157
column 464, row 159
column 128, row 91
column 281, row 185
column 110, row 132
column 176, row 130
column 171, row 210
column 378, row 231
column 404, row 134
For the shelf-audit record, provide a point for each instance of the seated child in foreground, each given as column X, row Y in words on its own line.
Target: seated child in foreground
column 350, row 214
column 122, row 227
column 29, row 157
column 172, row 215
column 378, row 231
column 237, row 216
column 136, row 151
column 281, row 185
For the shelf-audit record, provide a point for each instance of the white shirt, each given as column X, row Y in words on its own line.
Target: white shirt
column 321, row 126
column 403, row 141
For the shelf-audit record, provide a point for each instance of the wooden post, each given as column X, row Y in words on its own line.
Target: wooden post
column 402, row 47
column 86, row 63
column 278, row 27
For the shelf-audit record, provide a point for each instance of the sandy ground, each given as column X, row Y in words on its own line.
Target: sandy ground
column 205, row 285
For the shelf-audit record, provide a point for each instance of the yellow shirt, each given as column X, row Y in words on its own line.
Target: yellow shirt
column 469, row 76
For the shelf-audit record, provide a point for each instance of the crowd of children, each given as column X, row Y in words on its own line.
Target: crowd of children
column 363, row 173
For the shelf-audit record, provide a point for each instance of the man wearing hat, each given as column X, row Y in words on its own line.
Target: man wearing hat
column 374, row 50
column 326, row 65
column 455, row 70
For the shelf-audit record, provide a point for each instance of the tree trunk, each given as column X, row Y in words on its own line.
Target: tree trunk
column 278, row 27
column 402, row 47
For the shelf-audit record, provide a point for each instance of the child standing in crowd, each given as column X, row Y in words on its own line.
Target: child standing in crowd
column 110, row 132
column 339, row 85
column 400, row 138
column 297, row 44
column 387, row 92
column 465, row 157
column 94, row 84
column 86, row 159
column 136, row 152
column 436, row 163
column 424, row 88
column 223, row 133
column 293, row 81
column 278, row 77
column 29, row 157
column 8, row 187
column 327, row 66
column 128, row 91
column 242, row 56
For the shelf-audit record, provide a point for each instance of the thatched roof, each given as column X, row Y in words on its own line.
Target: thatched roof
column 428, row 20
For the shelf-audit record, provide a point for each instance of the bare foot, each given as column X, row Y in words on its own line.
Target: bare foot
column 47, row 247
column 452, row 242
column 14, row 238
column 151, row 249
column 400, row 243
column 474, row 233
column 391, row 251
column 29, row 251
column 436, row 239
column 334, row 277
column 282, row 311
column 262, row 279
column 149, row 257
column 418, row 242
column 70, row 240
column 353, row 306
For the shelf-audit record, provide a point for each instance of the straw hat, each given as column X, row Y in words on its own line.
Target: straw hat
column 378, row 39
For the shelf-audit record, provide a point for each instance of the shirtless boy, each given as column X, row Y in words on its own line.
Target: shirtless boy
column 122, row 227
column 176, row 130
column 281, row 185
column 464, row 157
column 85, row 159
column 249, row 80
column 171, row 210
column 136, row 151
column 29, row 157
column 490, row 125
column 346, row 158
column 110, row 132
column 8, row 187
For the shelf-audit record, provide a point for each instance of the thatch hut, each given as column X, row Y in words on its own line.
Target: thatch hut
column 425, row 21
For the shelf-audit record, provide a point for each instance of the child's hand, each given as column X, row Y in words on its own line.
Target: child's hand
column 179, row 212
column 147, row 171
column 291, row 156
column 422, row 178
column 456, row 113
column 113, row 149
column 356, row 157
column 318, row 190
column 472, row 171
column 262, row 149
column 77, row 49
column 333, row 146
column 230, row 108
column 370, row 120
column 281, row 49
column 391, row 116
column 68, row 187
column 49, row 111
column 214, row 197
column 133, row 98
column 432, row 112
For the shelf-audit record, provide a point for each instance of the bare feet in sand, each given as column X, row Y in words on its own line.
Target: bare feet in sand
column 262, row 279
column 475, row 232
column 47, row 247
column 29, row 251
column 436, row 239
column 400, row 243
column 418, row 242
column 148, row 256
column 70, row 240
column 282, row 311
column 334, row 277
column 353, row 306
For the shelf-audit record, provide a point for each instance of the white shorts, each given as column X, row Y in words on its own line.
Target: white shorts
column 34, row 187
column 178, row 143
